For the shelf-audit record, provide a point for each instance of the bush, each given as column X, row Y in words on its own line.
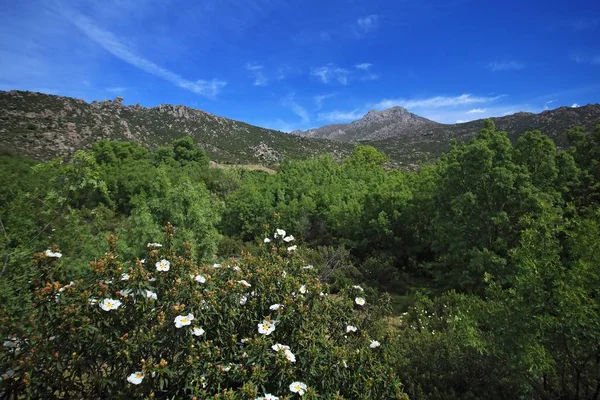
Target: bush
column 164, row 327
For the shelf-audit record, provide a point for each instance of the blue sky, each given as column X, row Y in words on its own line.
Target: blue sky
column 288, row 65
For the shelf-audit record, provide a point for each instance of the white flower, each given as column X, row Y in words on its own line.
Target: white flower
column 360, row 301
column 323, row 294
column 358, row 288
column 124, row 277
column 183, row 320
column 275, row 307
column 374, row 344
column 244, row 283
column 200, row 278
column 288, row 238
column 292, row 248
column 203, row 381
column 163, row 265
column 151, row 295
column 227, row 368
column 303, row 289
column 136, row 378
column 243, row 300
column 93, row 301
column 284, row 274
column 153, row 279
column 125, row 292
column 109, row 304
column 197, row 331
column 108, row 282
column 344, row 363
column 289, row 356
column 154, row 245
column 351, row 328
column 267, row 396
column 279, row 232
column 244, row 340
column 143, row 260
column 298, row 387
column 266, row 240
column 50, row 253
column 280, row 347
column 308, row 267
column 217, row 265
column 266, row 327
column 10, row 344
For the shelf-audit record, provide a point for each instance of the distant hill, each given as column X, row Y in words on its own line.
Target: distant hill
column 375, row 125
column 408, row 138
column 412, row 146
column 43, row 126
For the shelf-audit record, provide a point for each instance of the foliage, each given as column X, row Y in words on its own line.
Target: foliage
column 190, row 330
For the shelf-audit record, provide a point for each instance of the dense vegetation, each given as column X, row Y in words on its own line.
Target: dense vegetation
column 491, row 257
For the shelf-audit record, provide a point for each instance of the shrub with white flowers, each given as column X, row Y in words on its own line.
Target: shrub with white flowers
column 175, row 329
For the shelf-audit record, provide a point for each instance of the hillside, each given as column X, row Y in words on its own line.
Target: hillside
column 374, row 125
column 43, row 126
column 409, row 146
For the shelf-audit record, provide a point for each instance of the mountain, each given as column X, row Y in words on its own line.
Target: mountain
column 374, row 125
column 43, row 126
column 409, row 146
column 408, row 138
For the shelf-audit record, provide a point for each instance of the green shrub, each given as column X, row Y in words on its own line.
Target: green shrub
column 164, row 327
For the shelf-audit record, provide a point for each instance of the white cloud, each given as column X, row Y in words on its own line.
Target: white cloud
column 112, row 44
column 510, row 112
column 505, row 66
column 460, row 121
column 476, row 111
column 296, row 108
column 340, row 116
column 256, row 70
column 330, row 72
column 547, row 104
column 585, row 59
column 370, row 77
column 435, row 102
column 319, row 99
column 363, row 66
column 575, row 105
column 116, row 89
column 368, row 24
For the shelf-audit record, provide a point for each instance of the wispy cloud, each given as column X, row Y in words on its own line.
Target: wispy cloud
column 363, row 66
column 368, row 24
column 112, row 44
column 476, row 111
column 319, row 99
column 436, row 102
column 290, row 102
column 370, row 77
column 340, row 116
column 505, row 65
column 330, row 72
column 256, row 70
column 116, row 89
column 547, row 104
column 585, row 58
column 575, row 105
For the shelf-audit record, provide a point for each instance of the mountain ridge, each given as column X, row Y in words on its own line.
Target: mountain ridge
column 374, row 125
column 42, row 126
